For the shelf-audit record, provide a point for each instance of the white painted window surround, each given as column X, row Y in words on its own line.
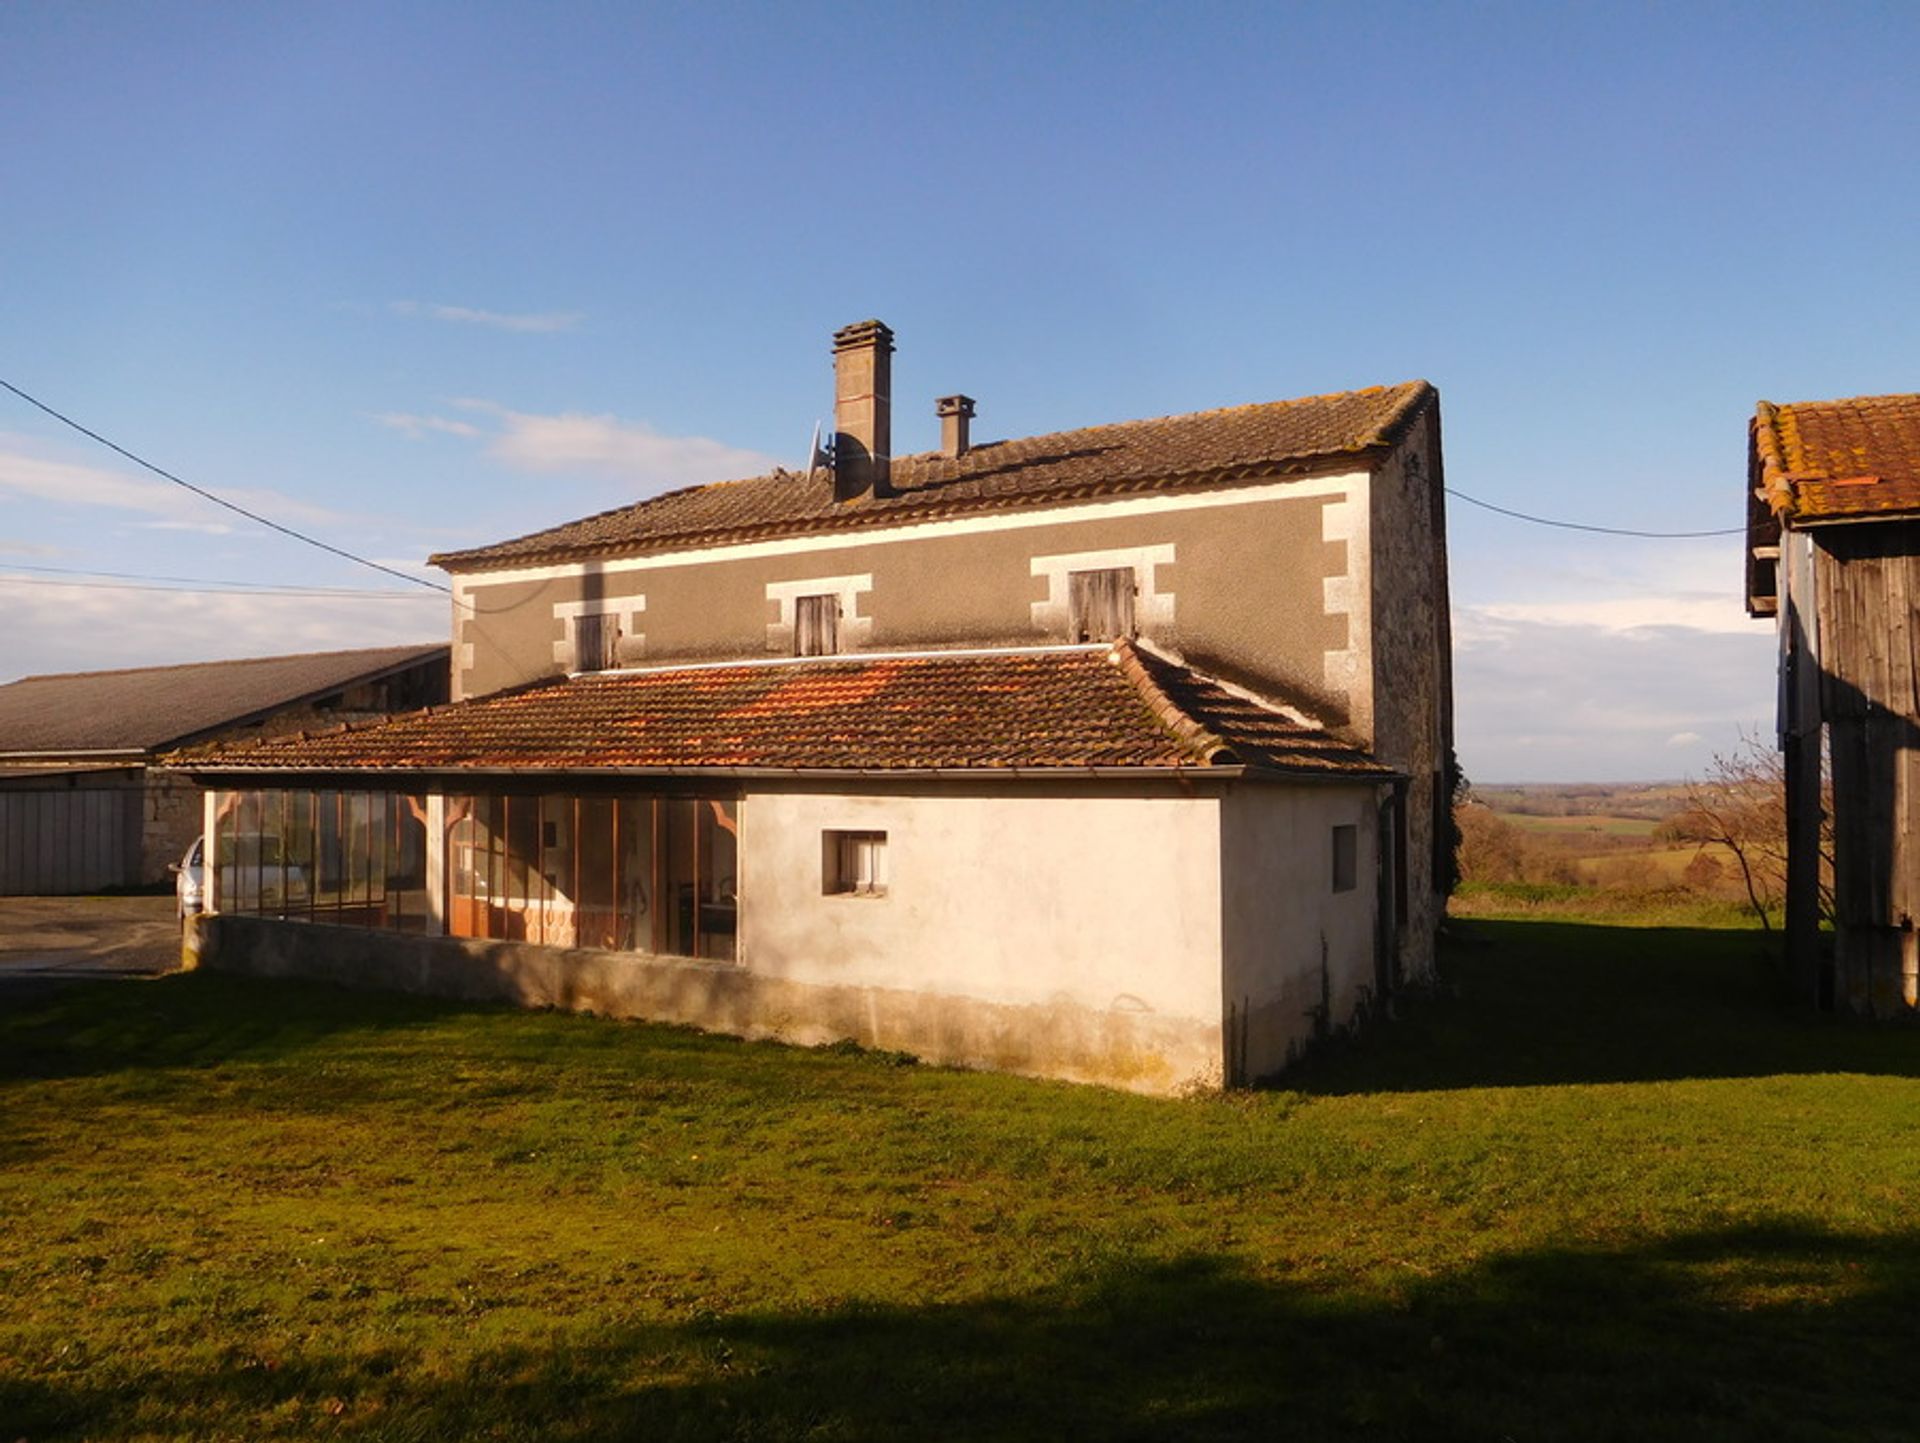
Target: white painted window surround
column 622, row 608
column 466, row 584
column 1350, row 595
column 855, row 630
column 1152, row 607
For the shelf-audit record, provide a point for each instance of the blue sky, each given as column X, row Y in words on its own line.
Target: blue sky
column 413, row 276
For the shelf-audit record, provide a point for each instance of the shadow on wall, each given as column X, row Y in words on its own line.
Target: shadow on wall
column 1527, row 1004
column 1778, row 1334
column 1875, row 755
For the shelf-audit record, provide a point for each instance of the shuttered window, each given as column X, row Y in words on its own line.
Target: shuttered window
column 816, row 625
column 1100, row 604
column 595, row 640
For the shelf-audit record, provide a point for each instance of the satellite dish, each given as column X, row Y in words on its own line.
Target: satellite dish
column 819, row 455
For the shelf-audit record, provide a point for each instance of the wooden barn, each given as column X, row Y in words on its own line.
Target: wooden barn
column 1833, row 553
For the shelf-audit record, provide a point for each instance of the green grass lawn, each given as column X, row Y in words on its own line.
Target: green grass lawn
column 1603, row 1188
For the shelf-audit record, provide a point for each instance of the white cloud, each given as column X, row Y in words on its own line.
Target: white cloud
column 415, row 427
column 630, row 450
column 69, row 484
column 1695, row 611
column 524, row 322
column 1604, row 659
column 204, row 528
column 642, row 458
column 1559, row 700
column 80, row 627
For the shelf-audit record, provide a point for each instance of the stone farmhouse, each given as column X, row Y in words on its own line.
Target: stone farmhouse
column 1118, row 754
column 1833, row 554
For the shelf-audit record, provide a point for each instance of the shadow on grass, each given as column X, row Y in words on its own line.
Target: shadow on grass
column 193, row 1019
column 1779, row 1334
column 1530, row 1003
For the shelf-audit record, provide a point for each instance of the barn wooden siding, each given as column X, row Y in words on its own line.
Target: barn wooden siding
column 1868, row 581
column 63, row 839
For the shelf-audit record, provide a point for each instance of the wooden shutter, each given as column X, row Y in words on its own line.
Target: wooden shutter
column 595, row 643
column 816, row 625
column 1100, row 604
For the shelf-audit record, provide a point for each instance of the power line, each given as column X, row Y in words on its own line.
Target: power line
column 189, row 582
column 338, row 593
column 201, row 491
column 1582, row 526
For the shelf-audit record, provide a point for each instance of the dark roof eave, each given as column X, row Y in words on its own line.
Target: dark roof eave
column 129, row 755
column 1816, row 522
column 1221, row 772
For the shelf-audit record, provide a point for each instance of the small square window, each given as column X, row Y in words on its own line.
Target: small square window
column 1346, row 858
column 854, row 864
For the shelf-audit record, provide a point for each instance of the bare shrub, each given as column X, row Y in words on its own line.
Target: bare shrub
column 1740, row 806
column 1491, row 850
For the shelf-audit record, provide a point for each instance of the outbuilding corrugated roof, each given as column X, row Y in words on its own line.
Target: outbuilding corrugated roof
column 1050, row 707
column 145, row 708
column 1171, row 452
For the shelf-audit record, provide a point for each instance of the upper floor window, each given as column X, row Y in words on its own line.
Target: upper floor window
column 816, row 625
column 1100, row 604
column 596, row 641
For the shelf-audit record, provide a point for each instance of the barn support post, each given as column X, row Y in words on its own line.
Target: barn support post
column 209, row 869
column 1810, row 979
column 436, row 862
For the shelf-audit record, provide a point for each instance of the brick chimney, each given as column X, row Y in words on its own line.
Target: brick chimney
column 862, row 410
column 956, row 413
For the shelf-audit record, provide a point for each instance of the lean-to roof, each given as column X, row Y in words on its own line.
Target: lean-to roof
column 976, row 711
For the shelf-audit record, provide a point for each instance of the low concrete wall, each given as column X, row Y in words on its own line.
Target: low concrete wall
column 1139, row 1051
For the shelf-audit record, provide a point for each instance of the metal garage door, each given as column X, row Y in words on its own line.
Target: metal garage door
column 68, row 841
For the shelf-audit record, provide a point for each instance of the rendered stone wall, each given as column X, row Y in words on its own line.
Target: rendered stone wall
column 1259, row 589
column 1299, row 961
column 1412, row 664
column 170, row 818
column 1056, row 1038
column 1006, row 894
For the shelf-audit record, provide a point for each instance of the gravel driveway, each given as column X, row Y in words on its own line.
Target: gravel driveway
column 47, row 940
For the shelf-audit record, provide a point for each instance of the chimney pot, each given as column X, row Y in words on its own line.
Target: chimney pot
column 862, row 410
column 956, row 416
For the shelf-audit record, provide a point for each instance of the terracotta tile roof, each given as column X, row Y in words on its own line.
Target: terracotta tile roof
column 1171, row 452
column 150, row 707
column 1830, row 461
column 1070, row 707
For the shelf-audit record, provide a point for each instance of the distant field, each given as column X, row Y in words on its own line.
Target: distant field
column 1640, row 801
column 1604, row 826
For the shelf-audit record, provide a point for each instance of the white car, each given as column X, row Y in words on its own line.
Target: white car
column 189, row 883
column 190, row 876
